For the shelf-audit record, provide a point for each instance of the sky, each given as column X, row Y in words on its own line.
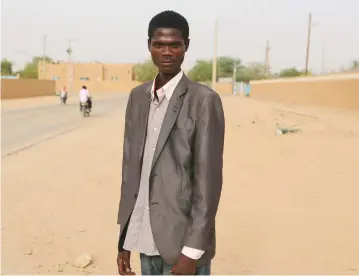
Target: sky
column 115, row 31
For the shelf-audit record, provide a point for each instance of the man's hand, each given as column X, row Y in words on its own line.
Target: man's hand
column 123, row 263
column 184, row 266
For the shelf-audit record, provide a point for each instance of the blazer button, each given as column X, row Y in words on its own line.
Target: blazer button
column 135, row 195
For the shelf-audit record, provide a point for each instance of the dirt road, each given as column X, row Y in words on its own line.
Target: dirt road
column 289, row 204
column 28, row 124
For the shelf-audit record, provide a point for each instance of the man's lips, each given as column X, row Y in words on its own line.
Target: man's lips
column 167, row 62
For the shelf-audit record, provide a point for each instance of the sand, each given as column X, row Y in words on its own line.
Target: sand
column 289, row 204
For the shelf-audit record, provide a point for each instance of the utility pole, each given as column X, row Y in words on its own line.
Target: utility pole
column 71, row 69
column 69, row 50
column 44, row 55
column 266, row 61
column 323, row 59
column 214, row 63
column 308, row 44
column 234, row 76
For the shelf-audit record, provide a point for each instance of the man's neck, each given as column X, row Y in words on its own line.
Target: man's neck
column 162, row 78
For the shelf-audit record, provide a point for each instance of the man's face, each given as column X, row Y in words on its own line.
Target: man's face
column 168, row 49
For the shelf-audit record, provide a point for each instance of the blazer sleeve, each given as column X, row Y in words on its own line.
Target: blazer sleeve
column 125, row 163
column 126, row 143
column 208, row 164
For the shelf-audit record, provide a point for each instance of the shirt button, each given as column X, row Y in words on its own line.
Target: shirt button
column 157, row 108
column 153, row 148
column 155, row 129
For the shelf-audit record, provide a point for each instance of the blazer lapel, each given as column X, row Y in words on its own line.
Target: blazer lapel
column 144, row 112
column 172, row 112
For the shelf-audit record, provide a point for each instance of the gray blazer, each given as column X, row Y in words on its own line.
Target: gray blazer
column 186, row 178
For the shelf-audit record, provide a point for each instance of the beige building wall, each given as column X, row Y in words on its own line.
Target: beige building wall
column 118, row 72
column 224, row 88
column 24, row 88
column 97, row 77
column 338, row 91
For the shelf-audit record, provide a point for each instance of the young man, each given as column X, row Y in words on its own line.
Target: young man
column 63, row 94
column 172, row 163
column 85, row 97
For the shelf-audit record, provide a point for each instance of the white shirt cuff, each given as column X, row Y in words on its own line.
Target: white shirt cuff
column 192, row 253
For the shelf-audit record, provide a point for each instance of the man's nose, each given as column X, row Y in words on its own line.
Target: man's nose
column 166, row 51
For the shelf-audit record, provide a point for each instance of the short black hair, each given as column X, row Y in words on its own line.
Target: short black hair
column 169, row 19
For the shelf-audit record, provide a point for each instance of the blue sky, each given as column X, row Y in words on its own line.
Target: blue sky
column 116, row 30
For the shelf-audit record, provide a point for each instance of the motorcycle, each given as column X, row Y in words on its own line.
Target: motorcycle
column 63, row 100
column 85, row 109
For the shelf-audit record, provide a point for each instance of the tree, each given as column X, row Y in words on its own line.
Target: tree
column 253, row 71
column 226, row 66
column 355, row 65
column 145, row 71
column 6, row 67
column 201, row 71
column 290, row 73
column 30, row 70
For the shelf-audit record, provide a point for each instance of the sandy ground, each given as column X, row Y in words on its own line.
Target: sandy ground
column 289, row 206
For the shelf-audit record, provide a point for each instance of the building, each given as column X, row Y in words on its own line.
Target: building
column 98, row 77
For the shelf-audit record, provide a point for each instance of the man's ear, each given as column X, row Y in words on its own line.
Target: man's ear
column 149, row 44
column 187, row 45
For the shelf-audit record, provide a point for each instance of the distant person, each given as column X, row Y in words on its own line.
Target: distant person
column 172, row 163
column 241, row 88
column 247, row 89
column 63, row 95
column 85, row 97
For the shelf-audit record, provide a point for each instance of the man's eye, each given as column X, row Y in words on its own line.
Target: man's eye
column 157, row 45
column 176, row 45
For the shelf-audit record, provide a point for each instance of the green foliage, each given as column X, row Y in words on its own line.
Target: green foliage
column 226, row 66
column 201, row 72
column 290, row 73
column 30, row 70
column 146, row 71
column 253, row 71
column 355, row 65
column 6, row 67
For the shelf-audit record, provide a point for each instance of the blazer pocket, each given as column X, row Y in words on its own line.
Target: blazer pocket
column 181, row 131
column 184, row 127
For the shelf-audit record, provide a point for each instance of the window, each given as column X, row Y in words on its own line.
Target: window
column 115, row 78
column 55, row 77
column 84, row 78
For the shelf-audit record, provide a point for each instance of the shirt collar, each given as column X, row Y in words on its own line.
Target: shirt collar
column 168, row 88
